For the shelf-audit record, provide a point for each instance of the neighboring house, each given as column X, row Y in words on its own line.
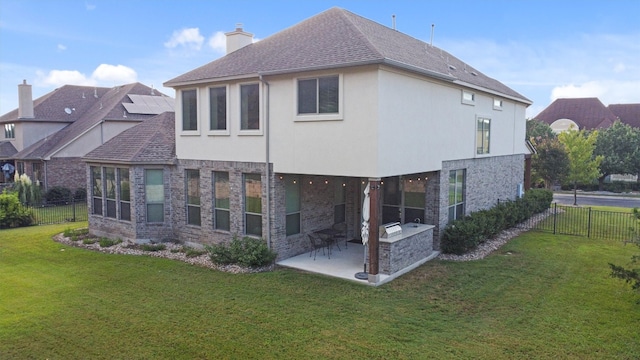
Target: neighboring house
column 52, row 133
column 281, row 137
column 587, row 113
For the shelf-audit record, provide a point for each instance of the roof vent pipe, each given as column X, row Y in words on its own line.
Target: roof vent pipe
column 431, row 42
column 393, row 21
column 25, row 101
column 238, row 39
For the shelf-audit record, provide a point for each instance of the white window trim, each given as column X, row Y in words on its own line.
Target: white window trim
column 198, row 113
column 208, row 111
column 500, row 104
column 261, row 104
column 488, row 153
column 319, row 117
column 466, row 101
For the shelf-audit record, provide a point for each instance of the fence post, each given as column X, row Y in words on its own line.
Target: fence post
column 73, row 206
column 589, row 224
column 555, row 216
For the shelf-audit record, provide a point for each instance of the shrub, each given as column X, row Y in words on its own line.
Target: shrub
column 106, row 242
column 248, row 252
column 89, row 241
column 191, row 252
column 28, row 192
column 80, row 194
column 153, row 247
column 12, row 213
column 58, row 193
column 465, row 234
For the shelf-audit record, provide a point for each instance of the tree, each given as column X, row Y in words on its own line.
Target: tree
column 551, row 163
column 583, row 165
column 538, row 131
column 619, row 146
column 631, row 276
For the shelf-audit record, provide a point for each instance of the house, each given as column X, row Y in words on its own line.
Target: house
column 46, row 138
column 587, row 113
column 335, row 120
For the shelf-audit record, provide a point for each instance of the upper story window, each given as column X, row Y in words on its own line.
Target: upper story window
column 497, row 104
column 483, row 135
column 250, row 107
column 9, row 131
column 218, row 108
column 319, row 95
column 468, row 97
column 189, row 110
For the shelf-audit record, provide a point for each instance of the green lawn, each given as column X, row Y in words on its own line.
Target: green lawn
column 541, row 296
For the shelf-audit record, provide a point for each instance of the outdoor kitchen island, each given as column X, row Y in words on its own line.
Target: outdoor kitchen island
column 404, row 247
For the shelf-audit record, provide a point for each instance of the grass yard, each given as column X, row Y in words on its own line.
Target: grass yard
column 541, row 296
column 60, row 213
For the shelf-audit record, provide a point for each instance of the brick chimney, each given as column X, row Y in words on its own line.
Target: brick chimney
column 238, row 39
column 25, row 101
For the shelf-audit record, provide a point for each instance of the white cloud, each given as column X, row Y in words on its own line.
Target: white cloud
column 115, row 74
column 103, row 75
column 188, row 38
column 218, row 42
column 89, row 7
column 61, row 48
column 619, row 67
column 608, row 91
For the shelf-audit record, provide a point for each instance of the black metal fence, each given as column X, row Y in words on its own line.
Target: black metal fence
column 59, row 211
column 585, row 221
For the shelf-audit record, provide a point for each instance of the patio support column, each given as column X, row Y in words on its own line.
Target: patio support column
column 374, row 236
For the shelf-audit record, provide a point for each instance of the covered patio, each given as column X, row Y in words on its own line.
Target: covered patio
column 344, row 263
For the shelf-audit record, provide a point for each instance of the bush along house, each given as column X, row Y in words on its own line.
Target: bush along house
column 335, row 120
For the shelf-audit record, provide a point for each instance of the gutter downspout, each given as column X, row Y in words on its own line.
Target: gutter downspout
column 267, row 161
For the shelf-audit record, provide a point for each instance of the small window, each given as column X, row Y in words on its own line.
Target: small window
column 250, row 107
column 189, row 110
column 193, row 196
column 483, row 135
column 221, row 193
column 154, row 194
column 96, row 189
column 110, row 191
column 218, row 108
column 292, row 204
column 9, row 131
column 456, row 194
column 468, row 97
column 125, row 194
column 318, row 96
column 497, row 104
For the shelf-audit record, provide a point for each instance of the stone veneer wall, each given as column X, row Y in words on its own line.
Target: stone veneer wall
column 487, row 180
column 68, row 172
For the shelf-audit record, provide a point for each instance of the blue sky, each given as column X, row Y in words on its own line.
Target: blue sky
column 542, row 49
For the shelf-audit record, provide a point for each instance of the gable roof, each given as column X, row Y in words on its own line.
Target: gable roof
column 627, row 113
column 588, row 113
column 150, row 142
column 7, row 150
column 338, row 38
column 109, row 106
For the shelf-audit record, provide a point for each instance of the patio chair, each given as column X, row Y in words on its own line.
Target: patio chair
column 316, row 244
column 341, row 235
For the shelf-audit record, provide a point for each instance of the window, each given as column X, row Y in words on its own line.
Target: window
column 9, row 131
column 318, row 96
column 456, row 194
column 468, row 97
column 253, row 204
column 497, row 104
column 125, row 194
column 339, row 200
column 96, row 189
column 218, row 108
column 249, row 107
column 20, row 167
column 154, row 194
column 414, row 198
column 391, row 200
column 110, row 190
column 37, row 173
column 483, row 132
column 189, row 110
column 193, row 196
column 221, row 191
column 292, row 204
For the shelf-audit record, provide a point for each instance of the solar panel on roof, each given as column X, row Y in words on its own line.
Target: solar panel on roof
column 148, row 105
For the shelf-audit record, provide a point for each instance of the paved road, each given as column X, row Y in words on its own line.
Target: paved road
column 597, row 200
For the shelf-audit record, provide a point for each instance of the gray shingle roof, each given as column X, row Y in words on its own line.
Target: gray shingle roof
column 338, row 38
column 150, row 142
column 588, row 113
column 7, row 150
column 107, row 106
